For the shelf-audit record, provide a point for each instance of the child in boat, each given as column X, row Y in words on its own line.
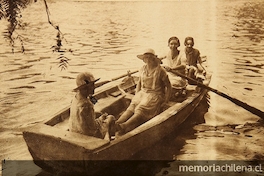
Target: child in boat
column 194, row 66
column 82, row 116
column 176, row 61
column 152, row 92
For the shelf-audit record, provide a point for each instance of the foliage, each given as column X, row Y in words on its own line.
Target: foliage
column 63, row 63
column 11, row 11
column 63, row 60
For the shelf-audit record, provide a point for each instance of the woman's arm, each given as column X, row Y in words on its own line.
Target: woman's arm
column 138, row 87
column 199, row 63
column 167, row 89
column 178, row 67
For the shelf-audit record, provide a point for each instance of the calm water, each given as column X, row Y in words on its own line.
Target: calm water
column 105, row 38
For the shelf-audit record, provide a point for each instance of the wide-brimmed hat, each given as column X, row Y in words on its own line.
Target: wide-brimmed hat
column 84, row 79
column 149, row 51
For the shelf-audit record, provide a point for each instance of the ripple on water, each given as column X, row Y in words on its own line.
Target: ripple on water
column 13, row 93
column 24, row 76
column 44, row 81
column 247, row 88
column 67, row 77
column 23, row 87
column 253, row 76
column 141, row 31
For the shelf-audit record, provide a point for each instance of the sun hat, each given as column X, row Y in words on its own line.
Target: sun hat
column 149, row 51
column 84, row 79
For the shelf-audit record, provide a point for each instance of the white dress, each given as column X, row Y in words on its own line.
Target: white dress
column 180, row 59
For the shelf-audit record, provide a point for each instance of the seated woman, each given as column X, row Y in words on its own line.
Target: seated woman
column 176, row 60
column 82, row 116
column 194, row 62
column 152, row 92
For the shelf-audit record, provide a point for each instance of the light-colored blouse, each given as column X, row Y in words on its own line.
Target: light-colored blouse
column 179, row 59
column 153, row 82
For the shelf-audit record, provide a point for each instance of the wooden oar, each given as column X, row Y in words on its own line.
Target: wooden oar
column 234, row 100
column 99, row 84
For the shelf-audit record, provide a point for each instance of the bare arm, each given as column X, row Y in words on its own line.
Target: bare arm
column 181, row 63
column 199, row 63
column 178, row 67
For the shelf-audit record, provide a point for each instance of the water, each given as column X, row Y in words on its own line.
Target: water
column 105, row 38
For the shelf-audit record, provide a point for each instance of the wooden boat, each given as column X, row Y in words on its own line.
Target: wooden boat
column 56, row 149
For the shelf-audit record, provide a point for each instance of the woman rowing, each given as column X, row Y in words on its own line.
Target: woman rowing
column 176, row 61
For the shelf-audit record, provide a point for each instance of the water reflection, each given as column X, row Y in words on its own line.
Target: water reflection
column 251, row 16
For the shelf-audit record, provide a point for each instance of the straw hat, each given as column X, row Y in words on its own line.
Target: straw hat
column 149, row 51
column 84, row 79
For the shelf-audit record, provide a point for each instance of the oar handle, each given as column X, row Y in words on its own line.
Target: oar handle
column 124, row 75
column 251, row 109
column 99, row 84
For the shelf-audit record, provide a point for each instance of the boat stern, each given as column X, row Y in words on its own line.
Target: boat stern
column 55, row 150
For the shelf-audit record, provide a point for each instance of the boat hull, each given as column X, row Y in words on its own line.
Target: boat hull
column 62, row 151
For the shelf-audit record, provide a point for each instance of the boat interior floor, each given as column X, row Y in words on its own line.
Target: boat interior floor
column 117, row 102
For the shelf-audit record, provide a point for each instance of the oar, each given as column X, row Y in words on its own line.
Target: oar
column 234, row 100
column 129, row 73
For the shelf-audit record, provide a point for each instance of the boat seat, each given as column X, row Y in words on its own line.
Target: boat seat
column 104, row 103
column 129, row 96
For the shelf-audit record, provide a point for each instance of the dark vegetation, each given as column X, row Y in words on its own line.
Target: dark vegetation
column 11, row 11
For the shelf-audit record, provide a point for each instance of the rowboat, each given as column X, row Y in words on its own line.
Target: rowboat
column 56, row 149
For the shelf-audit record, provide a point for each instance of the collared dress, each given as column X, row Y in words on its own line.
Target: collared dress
column 180, row 59
column 147, row 102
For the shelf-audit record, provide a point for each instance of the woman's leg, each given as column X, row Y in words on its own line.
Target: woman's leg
column 125, row 116
column 110, row 121
column 191, row 75
column 132, row 123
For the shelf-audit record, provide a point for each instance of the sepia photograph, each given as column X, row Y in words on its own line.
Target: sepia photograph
column 135, row 88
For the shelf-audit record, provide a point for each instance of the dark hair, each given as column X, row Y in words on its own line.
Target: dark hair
column 174, row 38
column 188, row 38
